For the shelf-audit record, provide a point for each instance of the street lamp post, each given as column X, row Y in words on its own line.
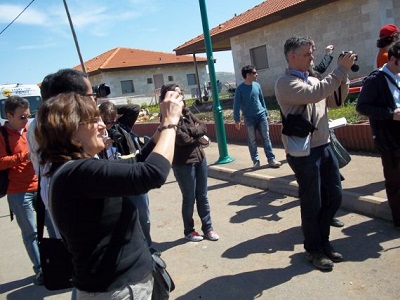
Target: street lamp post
column 217, row 109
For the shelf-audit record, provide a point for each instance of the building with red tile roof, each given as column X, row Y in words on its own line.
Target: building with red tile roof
column 257, row 35
column 133, row 72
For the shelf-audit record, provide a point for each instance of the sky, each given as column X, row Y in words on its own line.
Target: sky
column 40, row 41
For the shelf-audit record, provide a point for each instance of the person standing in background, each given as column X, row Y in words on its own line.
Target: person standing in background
column 387, row 35
column 190, row 169
column 23, row 182
column 326, row 60
column 124, row 145
column 379, row 100
column 317, row 71
column 250, row 100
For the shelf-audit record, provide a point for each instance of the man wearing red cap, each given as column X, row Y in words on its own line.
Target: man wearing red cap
column 387, row 35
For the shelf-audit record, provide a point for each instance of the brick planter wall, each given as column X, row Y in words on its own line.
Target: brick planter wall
column 354, row 137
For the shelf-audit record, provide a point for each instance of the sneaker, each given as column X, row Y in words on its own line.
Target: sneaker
column 38, row 279
column 256, row 164
column 274, row 164
column 319, row 260
column 194, row 237
column 331, row 253
column 336, row 223
column 212, row 236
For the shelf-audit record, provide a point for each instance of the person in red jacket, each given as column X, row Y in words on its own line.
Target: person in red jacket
column 388, row 34
column 22, row 179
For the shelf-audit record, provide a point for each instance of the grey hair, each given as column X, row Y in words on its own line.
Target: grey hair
column 295, row 42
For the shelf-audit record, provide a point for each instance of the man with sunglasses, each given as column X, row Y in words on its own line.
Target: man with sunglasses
column 250, row 100
column 23, row 182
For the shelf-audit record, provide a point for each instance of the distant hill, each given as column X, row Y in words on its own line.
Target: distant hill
column 225, row 77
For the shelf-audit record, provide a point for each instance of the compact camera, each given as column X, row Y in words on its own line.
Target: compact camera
column 354, row 67
column 115, row 135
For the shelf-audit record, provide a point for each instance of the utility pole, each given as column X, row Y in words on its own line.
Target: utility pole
column 217, row 109
column 74, row 35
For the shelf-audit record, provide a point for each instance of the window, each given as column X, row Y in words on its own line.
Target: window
column 170, row 78
column 127, row 86
column 191, row 79
column 149, row 80
column 259, row 57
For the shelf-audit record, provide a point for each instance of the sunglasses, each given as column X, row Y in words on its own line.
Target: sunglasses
column 24, row 117
column 110, row 122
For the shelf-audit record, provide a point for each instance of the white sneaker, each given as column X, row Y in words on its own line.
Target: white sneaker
column 274, row 164
column 194, row 237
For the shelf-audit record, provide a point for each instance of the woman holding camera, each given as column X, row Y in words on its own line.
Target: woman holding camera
column 87, row 196
column 190, row 170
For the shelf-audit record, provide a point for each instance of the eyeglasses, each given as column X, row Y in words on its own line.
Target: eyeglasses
column 91, row 95
column 96, row 120
column 23, row 117
column 110, row 122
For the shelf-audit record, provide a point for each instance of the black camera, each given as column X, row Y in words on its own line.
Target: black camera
column 354, row 67
column 101, row 90
column 115, row 135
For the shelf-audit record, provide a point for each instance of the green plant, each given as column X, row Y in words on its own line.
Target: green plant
column 347, row 111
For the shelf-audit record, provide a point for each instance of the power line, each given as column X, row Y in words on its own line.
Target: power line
column 17, row 17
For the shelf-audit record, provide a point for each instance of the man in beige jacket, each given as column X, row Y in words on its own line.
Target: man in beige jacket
column 317, row 174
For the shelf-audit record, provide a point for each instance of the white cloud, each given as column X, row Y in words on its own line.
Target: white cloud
column 30, row 16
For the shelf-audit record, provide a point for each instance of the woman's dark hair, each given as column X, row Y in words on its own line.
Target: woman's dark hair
column 108, row 109
column 58, row 119
column 383, row 42
column 167, row 88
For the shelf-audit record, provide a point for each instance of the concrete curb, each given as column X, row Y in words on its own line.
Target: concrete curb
column 367, row 205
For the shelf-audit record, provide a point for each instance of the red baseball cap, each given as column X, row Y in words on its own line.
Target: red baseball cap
column 388, row 30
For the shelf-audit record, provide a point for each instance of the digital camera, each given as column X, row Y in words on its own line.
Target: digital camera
column 354, row 67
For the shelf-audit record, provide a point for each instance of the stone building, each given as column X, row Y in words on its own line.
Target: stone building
column 257, row 35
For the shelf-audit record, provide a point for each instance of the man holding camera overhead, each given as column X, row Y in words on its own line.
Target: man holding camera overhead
column 317, row 173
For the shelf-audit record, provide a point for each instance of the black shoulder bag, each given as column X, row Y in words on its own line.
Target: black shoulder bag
column 297, row 125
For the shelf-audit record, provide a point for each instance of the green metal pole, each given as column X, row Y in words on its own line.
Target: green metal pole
column 217, row 109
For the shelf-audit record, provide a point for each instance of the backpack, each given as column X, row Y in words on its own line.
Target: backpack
column 4, row 173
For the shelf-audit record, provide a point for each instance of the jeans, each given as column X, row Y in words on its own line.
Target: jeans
column 192, row 181
column 258, row 123
column 132, row 291
column 21, row 205
column 320, row 193
column 142, row 204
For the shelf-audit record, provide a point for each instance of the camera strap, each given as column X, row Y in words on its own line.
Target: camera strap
column 338, row 99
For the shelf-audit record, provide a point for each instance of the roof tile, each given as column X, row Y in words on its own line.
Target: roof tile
column 129, row 57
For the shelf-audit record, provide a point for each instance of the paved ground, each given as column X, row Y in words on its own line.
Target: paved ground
column 260, row 253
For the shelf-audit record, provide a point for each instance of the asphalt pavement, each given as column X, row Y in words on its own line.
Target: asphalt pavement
column 260, row 253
